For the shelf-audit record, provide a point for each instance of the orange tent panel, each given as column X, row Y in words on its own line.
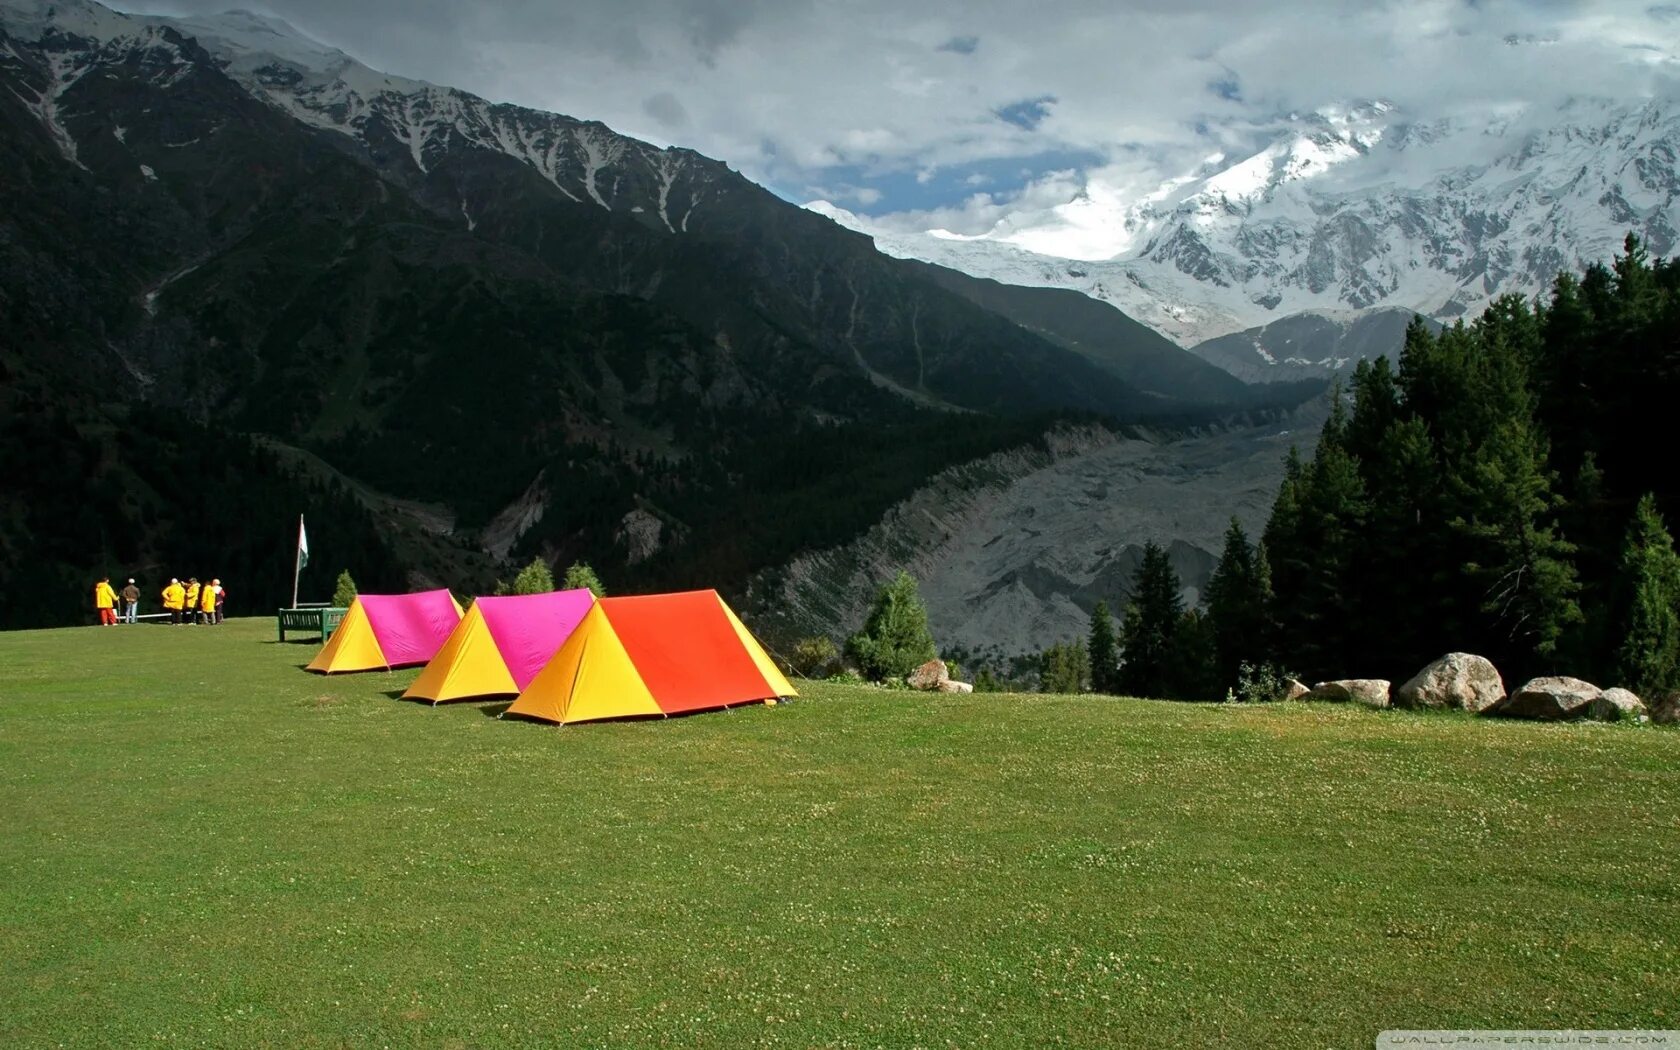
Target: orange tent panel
column 652, row 654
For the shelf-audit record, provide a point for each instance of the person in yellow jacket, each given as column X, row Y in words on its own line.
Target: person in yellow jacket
column 174, row 599
column 192, row 599
column 207, row 603
column 105, row 601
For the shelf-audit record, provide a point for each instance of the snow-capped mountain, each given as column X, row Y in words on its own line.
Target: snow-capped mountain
column 1353, row 209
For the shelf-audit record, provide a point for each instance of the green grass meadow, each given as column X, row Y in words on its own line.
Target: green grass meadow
column 202, row 844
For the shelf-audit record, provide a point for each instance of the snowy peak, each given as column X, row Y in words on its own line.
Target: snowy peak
column 1351, row 209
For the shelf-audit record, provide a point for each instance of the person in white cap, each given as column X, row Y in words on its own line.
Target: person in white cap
column 131, row 602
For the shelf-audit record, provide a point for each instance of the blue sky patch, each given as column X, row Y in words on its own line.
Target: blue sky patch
column 1028, row 113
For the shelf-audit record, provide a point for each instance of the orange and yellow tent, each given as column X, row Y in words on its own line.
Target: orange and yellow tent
column 656, row 654
column 500, row 645
column 389, row 630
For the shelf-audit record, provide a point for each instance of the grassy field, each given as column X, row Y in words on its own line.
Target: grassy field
column 201, row 844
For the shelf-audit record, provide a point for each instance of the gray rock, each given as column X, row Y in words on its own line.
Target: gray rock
column 929, row 675
column 1458, row 680
column 1372, row 692
column 1296, row 690
column 1616, row 705
column 639, row 534
column 948, row 686
column 1552, row 699
column 1665, row 709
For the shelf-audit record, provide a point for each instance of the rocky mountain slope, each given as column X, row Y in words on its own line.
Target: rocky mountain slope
column 1014, row 550
column 1362, row 208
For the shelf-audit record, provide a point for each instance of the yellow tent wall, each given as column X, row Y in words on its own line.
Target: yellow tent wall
column 352, row 646
column 590, row 677
column 469, row 664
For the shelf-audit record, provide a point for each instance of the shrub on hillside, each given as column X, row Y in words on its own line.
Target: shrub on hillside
column 1260, row 683
column 1065, row 669
column 344, row 592
column 815, row 657
column 535, row 578
column 895, row 638
column 581, row 575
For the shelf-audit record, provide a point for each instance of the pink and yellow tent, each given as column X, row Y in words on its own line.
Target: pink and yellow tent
column 500, row 645
column 389, row 630
column 658, row 654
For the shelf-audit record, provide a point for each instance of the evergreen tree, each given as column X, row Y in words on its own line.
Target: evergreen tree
column 1325, row 545
column 579, row 574
column 1523, row 567
column 1064, row 668
column 1237, row 601
column 895, row 638
column 1648, row 659
column 1282, row 543
column 344, row 593
column 1148, row 633
column 535, row 578
column 1192, row 669
column 1103, row 651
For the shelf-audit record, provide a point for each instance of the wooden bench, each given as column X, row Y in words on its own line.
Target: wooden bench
column 321, row 620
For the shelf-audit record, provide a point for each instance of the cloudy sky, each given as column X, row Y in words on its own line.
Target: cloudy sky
column 961, row 113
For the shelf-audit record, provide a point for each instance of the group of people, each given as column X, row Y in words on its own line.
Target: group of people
column 190, row 602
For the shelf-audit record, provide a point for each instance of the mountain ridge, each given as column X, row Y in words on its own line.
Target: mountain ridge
column 1359, row 208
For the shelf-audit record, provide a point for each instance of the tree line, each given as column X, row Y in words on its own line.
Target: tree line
column 1502, row 490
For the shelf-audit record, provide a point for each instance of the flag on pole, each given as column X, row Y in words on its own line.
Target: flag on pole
column 303, row 545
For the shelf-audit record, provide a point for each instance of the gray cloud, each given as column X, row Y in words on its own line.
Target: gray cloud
column 864, row 92
column 666, row 109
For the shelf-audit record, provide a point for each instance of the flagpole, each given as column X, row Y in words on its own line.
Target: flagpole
column 297, row 562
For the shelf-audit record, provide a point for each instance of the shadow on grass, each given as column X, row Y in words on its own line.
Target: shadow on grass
column 295, row 641
column 495, row 708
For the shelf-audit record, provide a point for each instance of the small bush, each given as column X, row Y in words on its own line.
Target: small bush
column 535, row 578
column 895, row 639
column 581, row 575
column 814, row 657
column 1260, row 683
column 845, row 677
column 345, row 592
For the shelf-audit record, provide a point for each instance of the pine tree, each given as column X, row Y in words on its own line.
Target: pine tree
column 535, row 578
column 1064, row 668
column 1648, row 659
column 580, row 575
column 1237, row 600
column 1282, row 543
column 1522, row 566
column 1151, row 626
column 1328, row 538
column 344, row 593
column 1192, row 669
column 1104, row 651
column 895, row 638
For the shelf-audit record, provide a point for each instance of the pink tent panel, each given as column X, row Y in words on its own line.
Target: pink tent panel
column 410, row 628
column 529, row 629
